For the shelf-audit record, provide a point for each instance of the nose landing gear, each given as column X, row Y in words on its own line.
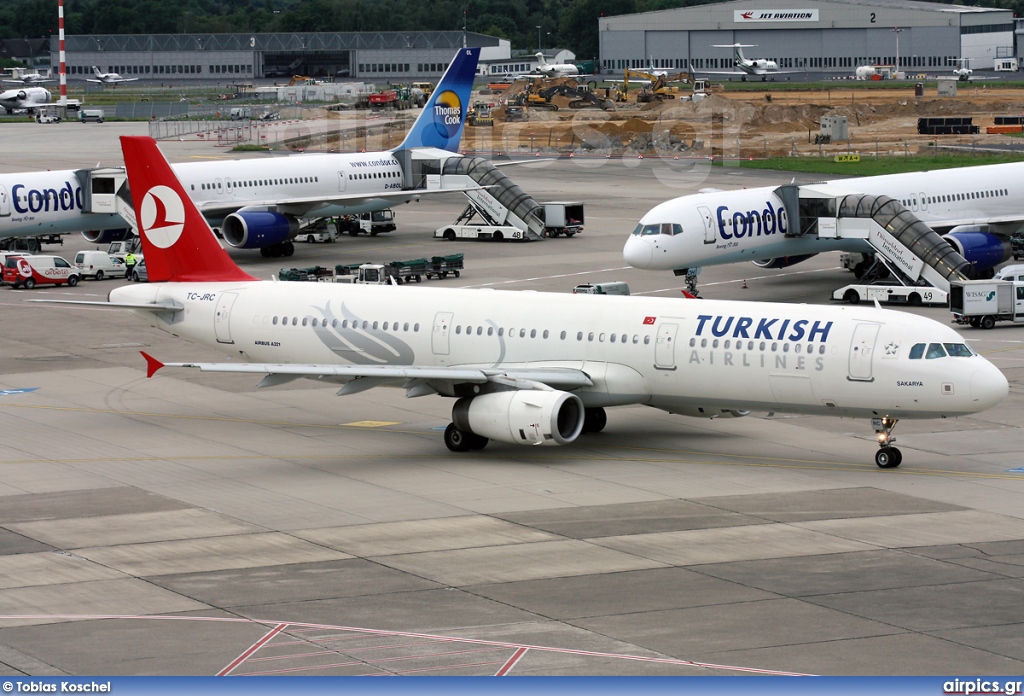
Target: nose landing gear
column 887, row 456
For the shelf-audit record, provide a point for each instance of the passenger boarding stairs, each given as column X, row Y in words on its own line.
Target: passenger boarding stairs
column 910, row 249
column 492, row 195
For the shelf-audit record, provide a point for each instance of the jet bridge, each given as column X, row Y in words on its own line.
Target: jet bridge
column 909, row 248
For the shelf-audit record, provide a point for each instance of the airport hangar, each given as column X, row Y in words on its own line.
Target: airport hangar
column 830, row 37
column 378, row 55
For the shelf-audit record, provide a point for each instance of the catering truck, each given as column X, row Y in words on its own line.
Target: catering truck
column 981, row 303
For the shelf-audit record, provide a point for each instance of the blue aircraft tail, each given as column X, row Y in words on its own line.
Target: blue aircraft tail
column 441, row 122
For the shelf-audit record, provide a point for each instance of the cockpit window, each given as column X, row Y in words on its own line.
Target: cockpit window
column 639, row 229
column 935, row 350
column 651, row 229
column 917, row 352
column 958, row 350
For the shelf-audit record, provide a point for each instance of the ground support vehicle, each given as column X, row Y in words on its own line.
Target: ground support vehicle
column 30, row 245
column 562, row 218
column 614, row 287
column 441, row 266
column 981, row 303
column 891, row 291
column 486, row 219
column 392, row 273
column 32, row 270
column 374, row 223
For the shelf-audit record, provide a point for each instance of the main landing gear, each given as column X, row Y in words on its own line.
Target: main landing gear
column 594, row 420
column 887, row 456
column 275, row 250
column 463, row 441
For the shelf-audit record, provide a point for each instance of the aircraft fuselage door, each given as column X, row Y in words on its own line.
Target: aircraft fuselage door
column 913, row 202
column 709, row 224
column 665, row 347
column 862, row 350
column 341, row 181
column 230, row 190
column 924, row 201
column 439, row 334
column 222, row 316
column 5, row 202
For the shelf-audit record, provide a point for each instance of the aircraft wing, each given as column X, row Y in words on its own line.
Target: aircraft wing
column 304, row 206
column 375, row 375
column 92, row 80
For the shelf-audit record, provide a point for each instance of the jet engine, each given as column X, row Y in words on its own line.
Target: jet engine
column 781, row 261
column 106, row 236
column 979, row 246
column 256, row 229
column 527, row 417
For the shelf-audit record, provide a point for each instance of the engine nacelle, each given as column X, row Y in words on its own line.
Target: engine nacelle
column 979, row 246
column 701, row 412
column 527, row 417
column 106, row 236
column 781, row 261
column 255, row 229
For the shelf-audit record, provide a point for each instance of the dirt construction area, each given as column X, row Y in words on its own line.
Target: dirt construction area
column 773, row 122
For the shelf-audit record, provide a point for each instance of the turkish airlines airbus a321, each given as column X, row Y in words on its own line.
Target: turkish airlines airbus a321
column 540, row 368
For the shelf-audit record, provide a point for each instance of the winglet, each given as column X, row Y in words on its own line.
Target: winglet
column 152, row 364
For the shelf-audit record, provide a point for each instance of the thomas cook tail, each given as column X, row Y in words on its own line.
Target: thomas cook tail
column 177, row 242
column 442, row 119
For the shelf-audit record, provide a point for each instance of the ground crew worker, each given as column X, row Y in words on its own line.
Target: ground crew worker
column 129, row 263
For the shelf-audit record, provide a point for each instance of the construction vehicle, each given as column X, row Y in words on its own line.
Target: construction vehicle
column 480, row 115
column 426, row 87
column 658, row 87
column 559, row 93
column 301, row 80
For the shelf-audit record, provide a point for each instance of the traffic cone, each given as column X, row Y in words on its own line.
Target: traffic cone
column 744, row 287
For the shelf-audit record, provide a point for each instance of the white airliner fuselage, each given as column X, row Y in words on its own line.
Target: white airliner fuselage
column 750, row 224
column 111, row 78
column 26, row 98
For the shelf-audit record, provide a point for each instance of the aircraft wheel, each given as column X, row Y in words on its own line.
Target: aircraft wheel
column 476, row 442
column 287, row 249
column 888, row 458
column 72, row 281
column 456, row 440
column 851, row 297
column 266, row 252
column 594, row 420
column 987, row 322
column 30, row 283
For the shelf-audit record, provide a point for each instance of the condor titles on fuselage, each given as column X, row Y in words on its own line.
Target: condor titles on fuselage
column 978, row 208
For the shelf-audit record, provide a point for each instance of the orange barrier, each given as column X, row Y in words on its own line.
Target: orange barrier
column 998, row 130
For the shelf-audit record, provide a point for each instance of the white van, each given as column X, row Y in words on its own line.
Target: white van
column 99, row 265
column 615, row 287
column 91, row 115
column 1015, row 272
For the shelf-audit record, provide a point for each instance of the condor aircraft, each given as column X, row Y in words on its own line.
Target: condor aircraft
column 540, row 368
column 257, row 203
column 977, row 207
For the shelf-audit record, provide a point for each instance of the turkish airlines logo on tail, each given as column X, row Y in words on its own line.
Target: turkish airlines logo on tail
column 163, row 216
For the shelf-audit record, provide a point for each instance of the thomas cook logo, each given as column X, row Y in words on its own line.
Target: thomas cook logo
column 163, row 216
column 448, row 114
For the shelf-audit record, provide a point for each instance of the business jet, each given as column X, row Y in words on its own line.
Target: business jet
column 555, row 69
column 757, row 67
column 20, row 77
column 111, row 78
column 258, row 204
column 532, row 368
column 24, row 99
column 978, row 209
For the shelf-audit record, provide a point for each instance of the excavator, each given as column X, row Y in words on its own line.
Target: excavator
column 564, row 93
column 657, row 87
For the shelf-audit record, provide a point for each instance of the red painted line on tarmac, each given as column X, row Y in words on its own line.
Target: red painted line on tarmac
column 507, row 667
column 252, row 648
column 434, row 669
column 379, row 632
column 371, row 663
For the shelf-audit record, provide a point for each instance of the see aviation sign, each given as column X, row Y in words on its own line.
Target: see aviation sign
column 745, row 16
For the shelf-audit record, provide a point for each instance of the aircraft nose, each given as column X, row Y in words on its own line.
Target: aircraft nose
column 988, row 386
column 638, row 252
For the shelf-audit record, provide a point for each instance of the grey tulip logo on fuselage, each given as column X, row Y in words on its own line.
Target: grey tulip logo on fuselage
column 357, row 341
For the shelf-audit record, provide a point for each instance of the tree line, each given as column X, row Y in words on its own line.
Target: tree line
column 571, row 24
